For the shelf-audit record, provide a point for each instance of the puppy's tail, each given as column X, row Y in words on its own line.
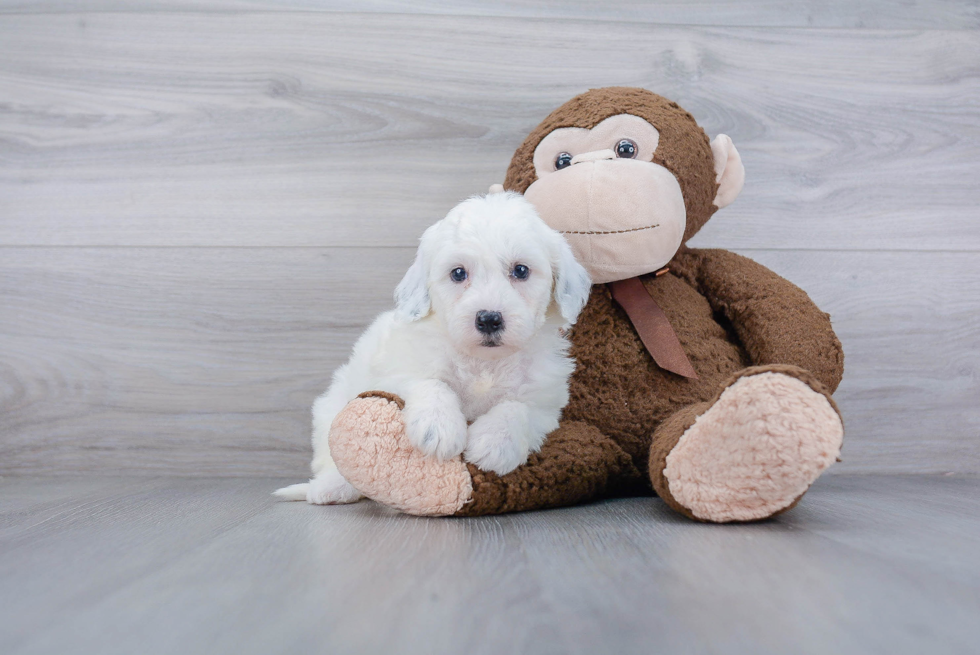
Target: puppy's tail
column 293, row 491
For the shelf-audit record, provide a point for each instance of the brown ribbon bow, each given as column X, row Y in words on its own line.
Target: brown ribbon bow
column 652, row 325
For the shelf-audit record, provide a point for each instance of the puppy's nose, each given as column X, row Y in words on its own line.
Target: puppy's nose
column 489, row 322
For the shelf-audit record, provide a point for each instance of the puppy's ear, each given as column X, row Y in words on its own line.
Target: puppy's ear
column 412, row 293
column 572, row 282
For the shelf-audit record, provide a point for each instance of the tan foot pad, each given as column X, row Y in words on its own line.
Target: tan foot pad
column 755, row 451
column 369, row 446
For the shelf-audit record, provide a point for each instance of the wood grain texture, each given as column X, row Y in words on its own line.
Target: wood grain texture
column 865, row 564
column 205, row 361
column 203, row 203
column 122, row 358
column 327, row 129
column 935, row 14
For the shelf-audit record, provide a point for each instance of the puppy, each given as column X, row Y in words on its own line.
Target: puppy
column 475, row 345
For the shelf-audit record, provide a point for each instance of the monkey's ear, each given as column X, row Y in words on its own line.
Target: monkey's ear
column 729, row 172
column 412, row 293
column 572, row 282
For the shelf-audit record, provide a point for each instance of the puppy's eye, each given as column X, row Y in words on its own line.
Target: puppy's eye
column 626, row 149
column 563, row 160
column 457, row 274
column 521, row 272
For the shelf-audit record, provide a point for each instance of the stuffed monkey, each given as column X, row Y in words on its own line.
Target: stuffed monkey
column 701, row 375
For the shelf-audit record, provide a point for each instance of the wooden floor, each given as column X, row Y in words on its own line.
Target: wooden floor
column 866, row 564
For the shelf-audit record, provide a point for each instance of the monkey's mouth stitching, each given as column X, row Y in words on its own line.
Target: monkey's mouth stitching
column 634, row 229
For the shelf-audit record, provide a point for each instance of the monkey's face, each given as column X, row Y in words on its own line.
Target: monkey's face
column 622, row 213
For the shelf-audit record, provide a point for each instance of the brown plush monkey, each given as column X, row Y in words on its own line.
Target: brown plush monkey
column 707, row 381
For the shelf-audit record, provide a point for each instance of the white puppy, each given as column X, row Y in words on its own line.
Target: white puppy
column 476, row 336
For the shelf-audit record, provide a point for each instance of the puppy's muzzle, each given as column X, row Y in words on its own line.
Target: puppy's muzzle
column 490, row 324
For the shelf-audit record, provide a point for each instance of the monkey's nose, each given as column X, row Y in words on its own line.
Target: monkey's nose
column 489, row 322
column 595, row 155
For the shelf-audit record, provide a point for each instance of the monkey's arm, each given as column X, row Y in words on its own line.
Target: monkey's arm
column 577, row 463
column 775, row 320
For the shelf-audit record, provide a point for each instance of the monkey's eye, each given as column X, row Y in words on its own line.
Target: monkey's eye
column 520, row 271
column 563, row 160
column 457, row 274
column 626, row 149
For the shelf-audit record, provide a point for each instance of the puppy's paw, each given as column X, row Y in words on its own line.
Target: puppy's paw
column 498, row 440
column 330, row 488
column 435, row 430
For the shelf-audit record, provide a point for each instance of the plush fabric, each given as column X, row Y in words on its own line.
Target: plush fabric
column 371, row 450
column 577, row 463
column 730, row 174
column 742, row 441
column 683, row 151
column 631, row 211
column 741, row 459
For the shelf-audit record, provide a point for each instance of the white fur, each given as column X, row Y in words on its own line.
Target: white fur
column 429, row 352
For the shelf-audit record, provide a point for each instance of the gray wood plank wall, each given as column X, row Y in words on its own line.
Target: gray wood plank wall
column 202, row 203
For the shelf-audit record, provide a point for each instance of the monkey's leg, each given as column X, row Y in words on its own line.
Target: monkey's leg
column 369, row 446
column 750, row 453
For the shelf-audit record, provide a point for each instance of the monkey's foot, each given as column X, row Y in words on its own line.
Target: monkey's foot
column 755, row 451
column 370, row 448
